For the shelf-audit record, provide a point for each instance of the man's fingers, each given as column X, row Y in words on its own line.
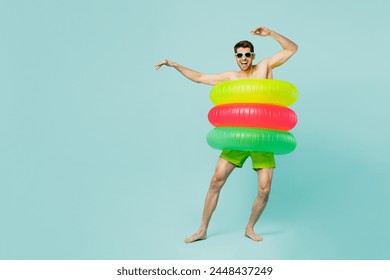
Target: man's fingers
column 164, row 62
column 256, row 31
column 158, row 66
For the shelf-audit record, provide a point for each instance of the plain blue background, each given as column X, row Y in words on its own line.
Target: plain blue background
column 102, row 157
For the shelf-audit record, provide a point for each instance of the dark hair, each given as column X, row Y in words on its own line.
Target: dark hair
column 244, row 44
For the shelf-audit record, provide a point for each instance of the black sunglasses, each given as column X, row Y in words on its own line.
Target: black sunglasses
column 248, row 54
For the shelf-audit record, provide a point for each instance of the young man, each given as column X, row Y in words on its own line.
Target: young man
column 262, row 162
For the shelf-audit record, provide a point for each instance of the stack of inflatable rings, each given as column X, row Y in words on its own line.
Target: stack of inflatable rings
column 252, row 115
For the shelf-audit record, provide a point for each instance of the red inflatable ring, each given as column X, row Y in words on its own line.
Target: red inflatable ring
column 253, row 115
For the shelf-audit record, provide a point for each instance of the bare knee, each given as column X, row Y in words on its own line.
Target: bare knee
column 264, row 190
column 264, row 193
column 217, row 182
column 222, row 172
column 265, row 180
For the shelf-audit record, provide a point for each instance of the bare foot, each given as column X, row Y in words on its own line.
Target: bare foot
column 197, row 236
column 252, row 235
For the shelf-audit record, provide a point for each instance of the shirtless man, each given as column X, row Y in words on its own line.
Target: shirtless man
column 263, row 163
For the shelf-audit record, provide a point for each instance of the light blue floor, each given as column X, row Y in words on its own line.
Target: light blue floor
column 306, row 218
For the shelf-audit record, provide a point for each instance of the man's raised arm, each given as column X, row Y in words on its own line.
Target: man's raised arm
column 289, row 47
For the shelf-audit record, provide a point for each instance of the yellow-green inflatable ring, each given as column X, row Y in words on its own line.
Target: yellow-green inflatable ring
column 254, row 91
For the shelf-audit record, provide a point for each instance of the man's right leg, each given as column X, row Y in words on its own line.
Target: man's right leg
column 222, row 172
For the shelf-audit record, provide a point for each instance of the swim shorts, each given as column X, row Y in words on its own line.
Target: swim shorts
column 259, row 159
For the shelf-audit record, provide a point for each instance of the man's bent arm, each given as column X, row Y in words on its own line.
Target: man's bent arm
column 289, row 47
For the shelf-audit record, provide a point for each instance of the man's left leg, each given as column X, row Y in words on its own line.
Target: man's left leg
column 264, row 187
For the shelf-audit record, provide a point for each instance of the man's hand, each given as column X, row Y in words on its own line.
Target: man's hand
column 165, row 62
column 261, row 31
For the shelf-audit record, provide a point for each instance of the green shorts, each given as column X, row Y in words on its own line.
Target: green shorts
column 259, row 159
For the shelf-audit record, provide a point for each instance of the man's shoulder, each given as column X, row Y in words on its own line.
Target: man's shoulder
column 232, row 75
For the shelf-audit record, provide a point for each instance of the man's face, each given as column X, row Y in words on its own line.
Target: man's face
column 243, row 61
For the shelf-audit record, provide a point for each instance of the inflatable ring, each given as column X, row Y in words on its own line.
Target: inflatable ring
column 253, row 115
column 254, row 91
column 251, row 139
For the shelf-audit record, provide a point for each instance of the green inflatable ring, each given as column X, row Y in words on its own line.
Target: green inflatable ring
column 251, row 139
